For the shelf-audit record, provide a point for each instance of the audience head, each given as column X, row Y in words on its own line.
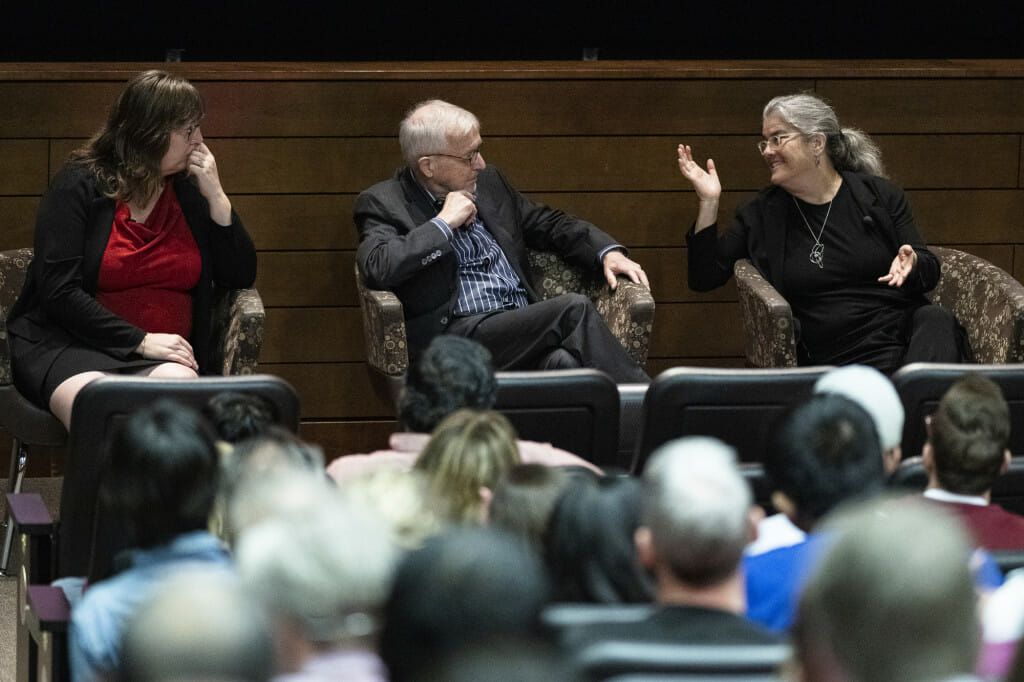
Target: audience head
column 873, row 391
column 200, row 625
column 696, row 512
column 590, row 544
column 891, row 599
column 162, row 477
column 452, row 373
column 821, row 453
column 429, row 128
column 468, row 454
column 402, row 498
column 238, row 416
column 523, row 501
column 262, row 495
column 262, row 475
column 468, row 587
column 968, row 437
column 126, row 153
column 323, row 574
column 848, row 149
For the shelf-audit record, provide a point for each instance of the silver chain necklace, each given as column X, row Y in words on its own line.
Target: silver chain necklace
column 818, row 249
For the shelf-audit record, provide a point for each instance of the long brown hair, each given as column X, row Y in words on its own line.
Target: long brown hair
column 125, row 153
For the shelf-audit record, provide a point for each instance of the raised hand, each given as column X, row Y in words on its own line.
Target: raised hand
column 902, row 266
column 203, row 166
column 705, row 182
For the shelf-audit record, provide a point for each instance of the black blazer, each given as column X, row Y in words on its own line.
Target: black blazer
column 401, row 250
column 57, row 306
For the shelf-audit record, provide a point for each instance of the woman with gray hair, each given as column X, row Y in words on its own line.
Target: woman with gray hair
column 323, row 573
column 834, row 237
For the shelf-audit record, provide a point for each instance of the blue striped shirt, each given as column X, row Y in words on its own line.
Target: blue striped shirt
column 487, row 281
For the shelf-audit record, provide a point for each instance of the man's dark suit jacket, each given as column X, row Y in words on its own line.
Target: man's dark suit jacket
column 401, row 250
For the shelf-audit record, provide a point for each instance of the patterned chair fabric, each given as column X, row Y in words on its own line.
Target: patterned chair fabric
column 770, row 340
column 13, row 267
column 238, row 320
column 985, row 299
column 628, row 311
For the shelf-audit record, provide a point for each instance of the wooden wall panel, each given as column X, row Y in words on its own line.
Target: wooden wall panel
column 934, row 106
column 328, row 390
column 297, row 222
column 313, row 335
column 296, row 143
column 23, row 166
column 307, row 278
column 17, row 221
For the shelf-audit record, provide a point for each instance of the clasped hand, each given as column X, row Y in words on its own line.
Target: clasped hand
column 902, row 266
column 170, row 347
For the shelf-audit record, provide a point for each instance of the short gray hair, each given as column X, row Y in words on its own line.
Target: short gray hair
column 428, row 126
column 848, row 148
column 327, row 568
column 892, row 598
column 696, row 504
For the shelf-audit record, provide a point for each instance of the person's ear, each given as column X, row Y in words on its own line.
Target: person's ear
column 485, row 504
column 755, row 515
column 645, row 553
column 426, row 166
column 928, row 458
column 782, row 502
column 818, row 142
column 1007, row 457
column 891, row 459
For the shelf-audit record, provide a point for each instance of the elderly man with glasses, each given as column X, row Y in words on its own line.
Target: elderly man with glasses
column 449, row 236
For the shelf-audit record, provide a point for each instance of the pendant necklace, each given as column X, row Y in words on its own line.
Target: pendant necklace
column 818, row 248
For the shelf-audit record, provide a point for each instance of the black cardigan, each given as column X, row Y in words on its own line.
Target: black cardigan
column 57, row 306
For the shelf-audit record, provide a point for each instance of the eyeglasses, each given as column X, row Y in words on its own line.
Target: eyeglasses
column 469, row 158
column 192, row 127
column 775, row 141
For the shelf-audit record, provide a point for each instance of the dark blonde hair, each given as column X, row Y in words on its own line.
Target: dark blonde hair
column 467, row 451
column 125, row 153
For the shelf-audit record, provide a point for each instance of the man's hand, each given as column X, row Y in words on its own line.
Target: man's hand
column 902, row 266
column 616, row 263
column 459, row 209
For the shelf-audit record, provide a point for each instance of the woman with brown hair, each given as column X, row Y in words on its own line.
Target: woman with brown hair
column 130, row 238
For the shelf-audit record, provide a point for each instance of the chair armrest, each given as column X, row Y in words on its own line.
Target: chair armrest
column 383, row 329
column 13, row 268
column 238, row 330
column 767, row 319
column 34, row 528
column 629, row 313
column 987, row 301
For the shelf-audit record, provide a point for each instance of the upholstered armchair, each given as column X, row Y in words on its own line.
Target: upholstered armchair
column 629, row 312
column 238, row 319
column 985, row 299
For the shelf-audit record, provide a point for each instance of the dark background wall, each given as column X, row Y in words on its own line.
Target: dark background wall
column 298, row 30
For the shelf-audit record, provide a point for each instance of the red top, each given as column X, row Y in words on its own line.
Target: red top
column 149, row 269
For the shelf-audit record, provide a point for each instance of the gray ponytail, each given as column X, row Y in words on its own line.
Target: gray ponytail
column 849, row 149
